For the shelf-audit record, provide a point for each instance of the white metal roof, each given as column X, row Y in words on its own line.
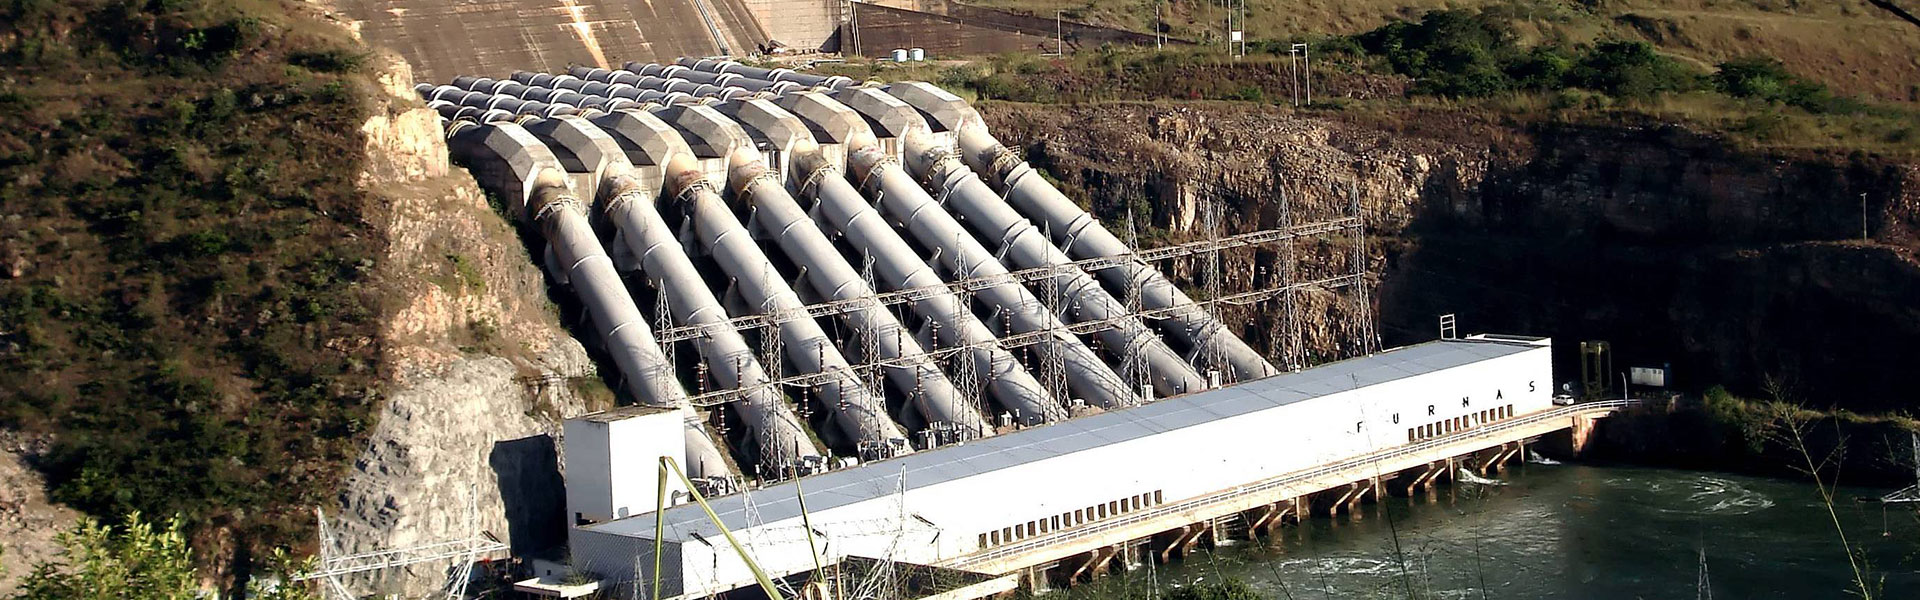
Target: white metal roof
column 949, row 463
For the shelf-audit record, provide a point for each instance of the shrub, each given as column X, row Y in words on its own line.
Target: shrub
column 1632, row 70
column 1448, row 52
column 1765, row 78
column 332, row 60
column 138, row 560
column 1455, row 53
column 1231, row 589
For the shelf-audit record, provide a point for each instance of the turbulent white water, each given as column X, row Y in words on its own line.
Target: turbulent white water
column 1569, row 532
column 1466, row 476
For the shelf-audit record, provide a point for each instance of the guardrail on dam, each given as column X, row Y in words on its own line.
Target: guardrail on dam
column 878, row 301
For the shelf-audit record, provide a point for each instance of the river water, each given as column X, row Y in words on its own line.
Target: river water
column 1572, row 532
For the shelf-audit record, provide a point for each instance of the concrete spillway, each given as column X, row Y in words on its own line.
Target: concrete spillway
column 705, row 171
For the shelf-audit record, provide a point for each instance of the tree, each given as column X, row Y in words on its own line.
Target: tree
column 1766, row 78
column 139, row 560
column 136, row 561
column 1632, row 69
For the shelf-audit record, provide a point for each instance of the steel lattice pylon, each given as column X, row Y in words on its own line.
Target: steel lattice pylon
column 331, row 568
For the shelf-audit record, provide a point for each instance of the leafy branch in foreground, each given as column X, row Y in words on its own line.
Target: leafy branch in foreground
column 139, row 560
column 1792, row 422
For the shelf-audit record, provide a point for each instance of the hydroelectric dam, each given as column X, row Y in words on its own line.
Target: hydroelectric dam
column 884, row 348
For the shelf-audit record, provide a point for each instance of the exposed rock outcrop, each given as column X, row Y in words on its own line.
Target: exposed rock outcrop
column 29, row 522
column 1733, row 266
column 481, row 370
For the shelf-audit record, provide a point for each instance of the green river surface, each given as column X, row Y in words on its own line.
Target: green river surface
column 1572, row 532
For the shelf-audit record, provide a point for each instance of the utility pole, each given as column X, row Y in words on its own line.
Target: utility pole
column 853, row 25
column 1158, row 26
column 1240, row 35
column 1059, row 36
column 1293, row 71
column 1307, row 58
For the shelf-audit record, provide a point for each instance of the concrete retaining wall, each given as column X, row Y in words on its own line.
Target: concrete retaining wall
column 804, row 25
column 947, row 28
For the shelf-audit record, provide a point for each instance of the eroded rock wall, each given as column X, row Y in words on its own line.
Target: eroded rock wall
column 1736, row 267
column 482, row 371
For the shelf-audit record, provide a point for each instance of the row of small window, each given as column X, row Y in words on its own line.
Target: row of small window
column 1007, row 535
column 1432, row 430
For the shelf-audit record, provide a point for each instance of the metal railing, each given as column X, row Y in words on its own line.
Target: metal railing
column 1483, row 431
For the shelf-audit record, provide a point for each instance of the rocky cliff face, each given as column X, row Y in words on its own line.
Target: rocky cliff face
column 1735, row 267
column 481, row 369
column 29, row 521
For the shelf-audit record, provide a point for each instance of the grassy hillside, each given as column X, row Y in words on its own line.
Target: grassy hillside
column 183, row 258
column 1849, row 45
column 1463, row 66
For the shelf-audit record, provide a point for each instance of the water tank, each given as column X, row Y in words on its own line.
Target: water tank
column 917, row 54
column 899, row 55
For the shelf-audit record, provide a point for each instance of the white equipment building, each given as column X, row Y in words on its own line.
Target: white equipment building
column 941, row 506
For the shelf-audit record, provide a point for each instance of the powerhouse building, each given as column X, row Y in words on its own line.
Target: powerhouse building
column 942, row 506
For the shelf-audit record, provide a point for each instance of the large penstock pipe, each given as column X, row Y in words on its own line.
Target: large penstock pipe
column 1080, row 234
column 780, row 219
column 1023, row 246
column 834, row 82
column 896, row 265
column 895, row 262
column 901, row 198
column 512, row 162
column 784, row 446
column 856, row 409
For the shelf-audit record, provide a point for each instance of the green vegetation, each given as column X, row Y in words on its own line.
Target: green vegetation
column 1461, row 54
column 1231, row 589
column 1849, row 45
column 1470, row 64
column 184, row 259
column 139, row 560
column 1765, row 79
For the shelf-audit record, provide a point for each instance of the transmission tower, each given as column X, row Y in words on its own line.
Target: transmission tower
column 1289, row 329
column 966, row 371
column 1214, row 355
column 771, row 343
column 1053, row 368
column 1133, row 364
column 662, row 321
column 464, row 552
column 1363, row 306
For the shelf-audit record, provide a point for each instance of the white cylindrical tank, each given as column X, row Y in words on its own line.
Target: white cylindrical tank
column 917, row 54
column 899, row 55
